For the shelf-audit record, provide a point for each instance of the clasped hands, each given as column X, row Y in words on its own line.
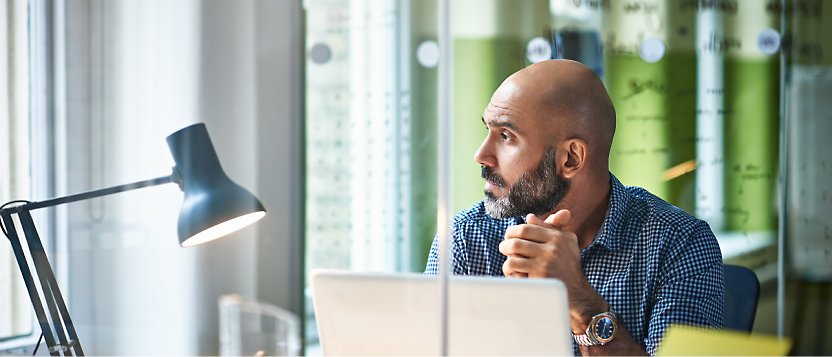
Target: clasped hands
column 542, row 249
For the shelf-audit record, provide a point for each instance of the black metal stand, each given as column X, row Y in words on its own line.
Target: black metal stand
column 57, row 327
column 61, row 323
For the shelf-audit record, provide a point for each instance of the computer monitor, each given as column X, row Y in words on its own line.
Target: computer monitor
column 398, row 314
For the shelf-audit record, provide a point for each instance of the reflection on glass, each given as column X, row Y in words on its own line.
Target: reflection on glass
column 253, row 328
column 489, row 41
column 808, row 155
column 751, row 119
column 651, row 75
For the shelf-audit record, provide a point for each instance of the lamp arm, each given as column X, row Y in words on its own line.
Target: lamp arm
column 92, row 194
column 57, row 326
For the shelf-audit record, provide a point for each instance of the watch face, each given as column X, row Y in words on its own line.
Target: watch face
column 604, row 329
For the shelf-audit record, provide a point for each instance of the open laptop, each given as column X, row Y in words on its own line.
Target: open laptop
column 398, row 314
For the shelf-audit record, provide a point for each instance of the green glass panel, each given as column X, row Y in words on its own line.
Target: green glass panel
column 751, row 143
column 480, row 65
column 423, row 163
column 486, row 51
column 655, row 123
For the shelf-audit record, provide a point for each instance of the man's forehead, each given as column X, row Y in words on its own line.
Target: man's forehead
column 501, row 111
column 501, row 114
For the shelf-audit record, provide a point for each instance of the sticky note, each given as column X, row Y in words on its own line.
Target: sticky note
column 689, row 341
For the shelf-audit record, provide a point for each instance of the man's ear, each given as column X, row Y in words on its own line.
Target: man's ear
column 576, row 159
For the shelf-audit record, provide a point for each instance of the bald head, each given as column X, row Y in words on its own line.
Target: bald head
column 569, row 100
column 550, row 128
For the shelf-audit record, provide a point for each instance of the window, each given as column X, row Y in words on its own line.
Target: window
column 358, row 145
column 15, row 307
column 124, row 75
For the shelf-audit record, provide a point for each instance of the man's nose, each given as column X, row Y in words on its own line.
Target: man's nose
column 484, row 155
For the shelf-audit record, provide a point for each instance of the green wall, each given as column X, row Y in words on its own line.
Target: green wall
column 656, row 123
column 655, row 102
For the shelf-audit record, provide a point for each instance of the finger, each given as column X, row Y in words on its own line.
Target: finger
column 519, row 246
column 517, row 266
column 528, row 232
column 513, row 274
column 559, row 218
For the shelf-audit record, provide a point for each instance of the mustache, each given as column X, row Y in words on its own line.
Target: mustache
column 488, row 174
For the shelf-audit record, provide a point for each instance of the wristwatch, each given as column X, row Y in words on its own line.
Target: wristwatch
column 601, row 330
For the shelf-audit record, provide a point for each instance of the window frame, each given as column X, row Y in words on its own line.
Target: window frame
column 34, row 132
column 14, row 175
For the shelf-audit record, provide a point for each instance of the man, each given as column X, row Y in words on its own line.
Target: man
column 632, row 263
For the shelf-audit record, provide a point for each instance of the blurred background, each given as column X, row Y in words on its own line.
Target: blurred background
column 327, row 111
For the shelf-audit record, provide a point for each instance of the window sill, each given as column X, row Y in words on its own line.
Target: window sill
column 20, row 345
column 737, row 244
column 756, row 250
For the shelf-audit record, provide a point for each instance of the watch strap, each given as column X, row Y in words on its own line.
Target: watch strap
column 583, row 340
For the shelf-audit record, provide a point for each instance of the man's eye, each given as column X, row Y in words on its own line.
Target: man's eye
column 504, row 135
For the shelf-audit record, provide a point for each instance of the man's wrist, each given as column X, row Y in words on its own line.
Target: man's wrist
column 581, row 315
column 602, row 329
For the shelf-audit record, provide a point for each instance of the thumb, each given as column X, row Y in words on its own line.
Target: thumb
column 559, row 218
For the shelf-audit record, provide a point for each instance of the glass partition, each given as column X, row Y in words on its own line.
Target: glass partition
column 806, row 245
column 720, row 111
column 359, row 141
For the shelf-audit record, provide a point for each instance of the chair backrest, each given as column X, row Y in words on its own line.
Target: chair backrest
column 742, row 290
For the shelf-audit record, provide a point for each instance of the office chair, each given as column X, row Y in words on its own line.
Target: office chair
column 742, row 290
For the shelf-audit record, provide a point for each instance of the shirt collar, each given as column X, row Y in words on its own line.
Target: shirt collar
column 616, row 212
column 606, row 237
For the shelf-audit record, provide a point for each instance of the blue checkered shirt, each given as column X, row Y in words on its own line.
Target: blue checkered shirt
column 652, row 262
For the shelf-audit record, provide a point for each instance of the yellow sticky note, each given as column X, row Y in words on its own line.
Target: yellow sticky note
column 688, row 341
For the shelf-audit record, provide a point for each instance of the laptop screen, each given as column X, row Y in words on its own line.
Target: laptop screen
column 398, row 314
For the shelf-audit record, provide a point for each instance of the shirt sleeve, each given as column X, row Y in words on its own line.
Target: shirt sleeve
column 458, row 260
column 692, row 287
column 432, row 266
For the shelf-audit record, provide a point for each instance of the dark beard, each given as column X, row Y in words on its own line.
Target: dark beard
column 537, row 191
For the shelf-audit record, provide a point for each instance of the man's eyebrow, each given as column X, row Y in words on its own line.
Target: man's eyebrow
column 500, row 124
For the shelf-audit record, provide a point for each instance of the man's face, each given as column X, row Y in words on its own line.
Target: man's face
column 538, row 191
column 518, row 156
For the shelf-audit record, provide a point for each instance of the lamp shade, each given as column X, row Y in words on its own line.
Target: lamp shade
column 214, row 206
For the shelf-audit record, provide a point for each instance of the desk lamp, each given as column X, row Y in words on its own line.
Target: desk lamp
column 214, row 206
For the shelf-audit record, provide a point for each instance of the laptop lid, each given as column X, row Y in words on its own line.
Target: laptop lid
column 398, row 314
